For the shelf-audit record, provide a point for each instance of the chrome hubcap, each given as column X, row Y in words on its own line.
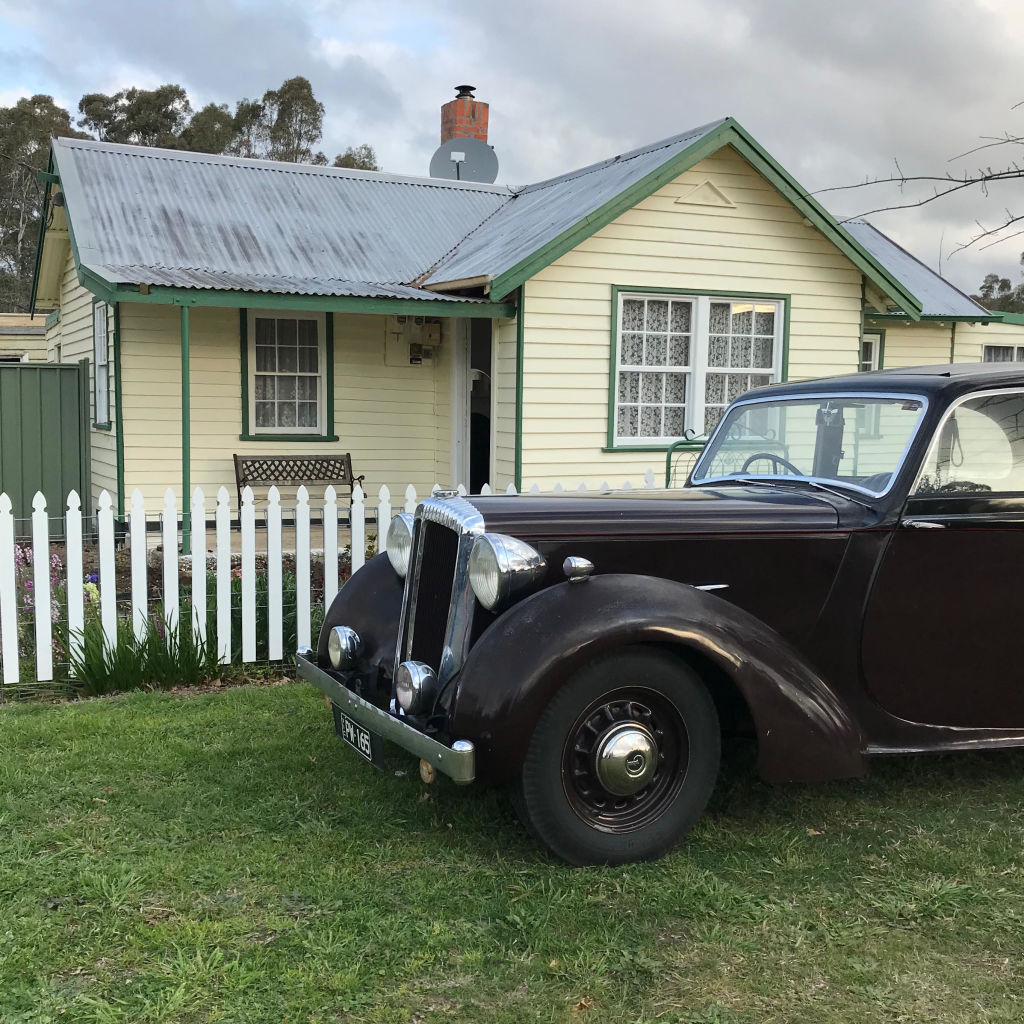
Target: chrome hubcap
column 626, row 759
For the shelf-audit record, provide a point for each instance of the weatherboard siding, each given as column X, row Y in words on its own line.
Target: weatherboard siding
column 925, row 344
column 73, row 333
column 504, row 404
column 385, row 416
column 761, row 245
column 971, row 339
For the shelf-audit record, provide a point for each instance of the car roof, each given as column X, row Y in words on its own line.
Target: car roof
column 954, row 378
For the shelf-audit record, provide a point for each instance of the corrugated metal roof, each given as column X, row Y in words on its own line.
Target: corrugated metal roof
column 540, row 213
column 153, row 216
column 937, row 296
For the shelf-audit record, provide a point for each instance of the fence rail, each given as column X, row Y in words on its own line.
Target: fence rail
column 42, row 594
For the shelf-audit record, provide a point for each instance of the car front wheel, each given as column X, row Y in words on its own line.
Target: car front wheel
column 622, row 761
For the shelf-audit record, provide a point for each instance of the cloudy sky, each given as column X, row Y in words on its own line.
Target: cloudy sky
column 837, row 92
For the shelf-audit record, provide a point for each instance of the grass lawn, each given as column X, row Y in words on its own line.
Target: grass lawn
column 221, row 857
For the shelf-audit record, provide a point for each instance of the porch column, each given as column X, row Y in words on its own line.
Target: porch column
column 186, row 438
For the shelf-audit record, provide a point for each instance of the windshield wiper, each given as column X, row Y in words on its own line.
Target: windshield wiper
column 816, row 484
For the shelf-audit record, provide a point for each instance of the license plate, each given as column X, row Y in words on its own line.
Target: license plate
column 359, row 738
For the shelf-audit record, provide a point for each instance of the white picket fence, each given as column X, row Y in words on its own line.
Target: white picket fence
column 26, row 571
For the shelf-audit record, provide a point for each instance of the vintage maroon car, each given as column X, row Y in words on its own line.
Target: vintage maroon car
column 840, row 575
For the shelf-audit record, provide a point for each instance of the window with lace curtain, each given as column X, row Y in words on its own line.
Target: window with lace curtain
column 681, row 359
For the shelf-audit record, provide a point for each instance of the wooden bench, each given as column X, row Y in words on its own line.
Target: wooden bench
column 267, row 470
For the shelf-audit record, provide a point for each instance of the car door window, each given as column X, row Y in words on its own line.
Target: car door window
column 979, row 449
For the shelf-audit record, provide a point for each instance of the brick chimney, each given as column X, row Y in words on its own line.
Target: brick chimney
column 464, row 117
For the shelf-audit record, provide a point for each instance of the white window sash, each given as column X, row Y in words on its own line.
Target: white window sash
column 696, row 401
column 100, row 373
column 321, row 337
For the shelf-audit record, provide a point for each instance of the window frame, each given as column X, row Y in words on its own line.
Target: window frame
column 325, row 401
column 701, row 298
column 97, row 348
column 1016, row 352
column 914, row 494
column 878, row 360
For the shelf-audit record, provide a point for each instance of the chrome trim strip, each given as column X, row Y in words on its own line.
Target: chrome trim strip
column 463, row 518
column 457, row 762
column 923, row 399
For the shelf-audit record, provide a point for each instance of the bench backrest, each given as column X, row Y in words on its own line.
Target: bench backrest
column 265, row 470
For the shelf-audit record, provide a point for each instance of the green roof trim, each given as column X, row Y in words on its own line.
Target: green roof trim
column 1010, row 318
column 728, row 133
column 936, row 318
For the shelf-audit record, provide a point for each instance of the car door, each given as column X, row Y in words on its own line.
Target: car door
column 942, row 633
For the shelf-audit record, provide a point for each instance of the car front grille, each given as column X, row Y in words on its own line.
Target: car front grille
column 437, row 611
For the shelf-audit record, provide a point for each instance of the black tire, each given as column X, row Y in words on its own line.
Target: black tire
column 560, row 796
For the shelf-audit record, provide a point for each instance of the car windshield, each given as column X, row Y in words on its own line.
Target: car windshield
column 856, row 441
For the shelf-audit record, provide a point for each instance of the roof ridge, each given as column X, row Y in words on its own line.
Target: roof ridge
column 631, row 154
column 188, row 156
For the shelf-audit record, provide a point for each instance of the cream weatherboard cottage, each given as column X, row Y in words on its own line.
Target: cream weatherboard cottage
column 447, row 331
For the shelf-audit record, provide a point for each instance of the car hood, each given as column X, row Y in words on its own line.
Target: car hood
column 682, row 510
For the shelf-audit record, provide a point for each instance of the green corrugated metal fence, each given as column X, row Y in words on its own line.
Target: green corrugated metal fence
column 44, row 436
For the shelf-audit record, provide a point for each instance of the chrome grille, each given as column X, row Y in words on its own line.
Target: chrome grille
column 437, row 610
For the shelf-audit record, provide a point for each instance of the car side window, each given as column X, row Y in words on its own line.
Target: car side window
column 979, row 449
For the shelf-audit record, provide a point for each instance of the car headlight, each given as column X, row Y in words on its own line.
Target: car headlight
column 501, row 568
column 399, row 542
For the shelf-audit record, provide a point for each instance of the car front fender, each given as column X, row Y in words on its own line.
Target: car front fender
column 804, row 731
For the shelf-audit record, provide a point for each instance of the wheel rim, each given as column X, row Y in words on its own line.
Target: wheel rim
column 624, row 760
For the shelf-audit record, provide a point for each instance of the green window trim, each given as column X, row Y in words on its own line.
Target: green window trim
column 329, row 434
column 612, row 444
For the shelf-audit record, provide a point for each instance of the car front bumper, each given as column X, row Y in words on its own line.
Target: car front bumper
column 458, row 761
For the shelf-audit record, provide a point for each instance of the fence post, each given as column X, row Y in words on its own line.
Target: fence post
column 275, row 624
column 8, row 594
column 648, row 479
column 511, row 489
column 383, row 517
column 330, row 545
column 170, row 541
column 140, row 583
column 73, row 568
column 486, row 489
column 223, row 516
column 41, row 589
column 247, row 517
column 410, row 499
column 303, row 575
column 108, row 579
column 198, row 566
column 358, row 528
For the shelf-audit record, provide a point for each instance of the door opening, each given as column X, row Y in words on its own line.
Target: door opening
column 479, row 404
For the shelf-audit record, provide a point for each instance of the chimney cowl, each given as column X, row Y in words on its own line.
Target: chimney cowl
column 464, row 91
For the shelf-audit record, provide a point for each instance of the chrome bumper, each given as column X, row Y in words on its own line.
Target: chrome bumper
column 458, row 762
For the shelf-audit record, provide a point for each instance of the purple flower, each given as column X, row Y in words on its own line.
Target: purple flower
column 92, row 578
column 29, row 584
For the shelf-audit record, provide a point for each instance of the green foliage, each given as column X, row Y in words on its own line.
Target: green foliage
column 1000, row 294
column 293, row 120
column 158, row 660
column 138, row 117
column 25, row 132
column 289, row 626
column 360, row 158
column 211, row 130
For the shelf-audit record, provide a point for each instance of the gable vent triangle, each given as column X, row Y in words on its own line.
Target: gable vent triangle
column 706, row 194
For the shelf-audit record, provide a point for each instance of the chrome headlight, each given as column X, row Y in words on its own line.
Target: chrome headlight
column 343, row 646
column 501, row 568
column 399, row 542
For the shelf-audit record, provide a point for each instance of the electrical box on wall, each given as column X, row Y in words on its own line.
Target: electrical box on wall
column 411, row 341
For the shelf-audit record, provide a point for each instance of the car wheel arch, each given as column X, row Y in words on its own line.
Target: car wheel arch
column 803, row 730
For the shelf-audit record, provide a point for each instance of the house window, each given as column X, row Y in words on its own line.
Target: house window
column 1002, row 354
column 681, row 359
column 287, row 371
column 101, row 370
column 870, row 352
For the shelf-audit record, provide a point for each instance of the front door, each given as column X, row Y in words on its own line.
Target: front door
column 941, row 640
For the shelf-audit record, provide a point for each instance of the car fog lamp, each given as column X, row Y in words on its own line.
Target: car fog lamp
column 415, row 686
column 343, row 646
column 399, row 542
column 502, row 568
